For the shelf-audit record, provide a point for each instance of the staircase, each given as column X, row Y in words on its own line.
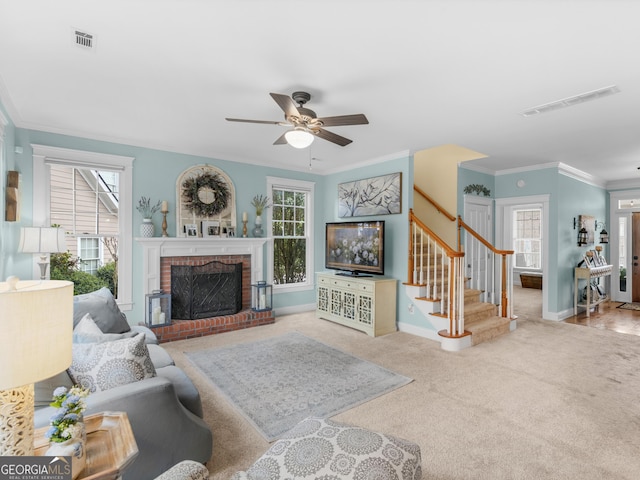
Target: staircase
column 439, row 289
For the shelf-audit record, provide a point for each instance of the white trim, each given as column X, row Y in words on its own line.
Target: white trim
column 419, row 331
column 504, row 241
column 309, row 188
column 469, row 165
column 614, row 247
column 367, row 163
column 580, row 176
column 309, row 307
column 154, row 248
column 633, row 183
column 43, row 155
column 3, row 166
column 3, row 123
column 563, row 169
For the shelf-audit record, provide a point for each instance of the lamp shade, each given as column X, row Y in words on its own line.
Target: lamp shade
column 37, row 330
column 299, row 138
column 42, row 240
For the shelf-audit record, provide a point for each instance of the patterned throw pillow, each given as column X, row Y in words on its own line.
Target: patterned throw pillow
column 321, row 448
column 102, row 366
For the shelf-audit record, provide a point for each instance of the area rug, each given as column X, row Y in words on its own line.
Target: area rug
column 630, row 306
column 277, row 382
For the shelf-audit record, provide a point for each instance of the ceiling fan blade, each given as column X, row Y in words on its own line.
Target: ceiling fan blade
column 281, row 140
column 357, row 119
column 286, row 104
column 332, row 137
column 268, row 122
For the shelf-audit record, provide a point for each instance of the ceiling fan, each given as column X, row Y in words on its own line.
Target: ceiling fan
column 306, row 125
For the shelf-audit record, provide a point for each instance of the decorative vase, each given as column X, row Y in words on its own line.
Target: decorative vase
column 146, row 228
column 257, row 230
column 74, row 448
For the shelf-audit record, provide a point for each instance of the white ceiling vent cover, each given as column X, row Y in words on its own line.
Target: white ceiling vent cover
column 571, row 101
column 82, row 39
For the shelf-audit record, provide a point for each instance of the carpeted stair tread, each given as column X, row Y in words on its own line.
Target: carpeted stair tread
column 487, row 328
column 478, row 311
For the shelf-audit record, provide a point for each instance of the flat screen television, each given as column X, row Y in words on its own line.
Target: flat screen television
column 355, row 248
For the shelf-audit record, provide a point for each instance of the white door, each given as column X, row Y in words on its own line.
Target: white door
column 478, row 214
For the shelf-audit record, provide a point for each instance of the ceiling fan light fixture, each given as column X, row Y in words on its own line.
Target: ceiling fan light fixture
column 299, row 137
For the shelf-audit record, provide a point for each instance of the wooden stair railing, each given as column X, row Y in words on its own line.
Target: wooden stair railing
column 481, row 257
column 435, row 204
column 440, row 269
column 481, row 260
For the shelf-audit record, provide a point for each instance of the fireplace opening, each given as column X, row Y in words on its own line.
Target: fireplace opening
column 203, row 291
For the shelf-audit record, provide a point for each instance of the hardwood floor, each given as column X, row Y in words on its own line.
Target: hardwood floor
column 528, row 304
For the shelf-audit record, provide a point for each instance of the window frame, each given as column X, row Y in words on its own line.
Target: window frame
column 100, row 258
column 528, row 207
column 44, row 155
column 309, row 189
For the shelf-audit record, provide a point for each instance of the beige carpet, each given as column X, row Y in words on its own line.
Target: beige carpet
column 548, row 401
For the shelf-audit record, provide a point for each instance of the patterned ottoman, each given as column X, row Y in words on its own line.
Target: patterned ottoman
column 318, row 448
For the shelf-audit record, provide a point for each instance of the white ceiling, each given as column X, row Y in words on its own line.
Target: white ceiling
column 165, row 73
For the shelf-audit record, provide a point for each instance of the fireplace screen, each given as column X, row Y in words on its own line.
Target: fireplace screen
column 210, row 290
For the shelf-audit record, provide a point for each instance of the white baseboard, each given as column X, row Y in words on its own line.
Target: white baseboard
column 309, row 307
column 419, row 331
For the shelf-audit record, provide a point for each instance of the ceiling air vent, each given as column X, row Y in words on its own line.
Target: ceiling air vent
column 571, row 101
column 83, row 39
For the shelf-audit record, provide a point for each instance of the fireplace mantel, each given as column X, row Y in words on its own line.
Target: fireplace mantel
column 154, row 248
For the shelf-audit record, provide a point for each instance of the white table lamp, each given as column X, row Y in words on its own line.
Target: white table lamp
column 36, row 329
column 43, row 241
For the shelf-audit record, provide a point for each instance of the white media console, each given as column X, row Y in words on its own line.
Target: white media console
column 364, row 303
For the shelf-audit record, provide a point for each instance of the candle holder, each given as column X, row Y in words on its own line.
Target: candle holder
column 244, row 228
column 164, row 223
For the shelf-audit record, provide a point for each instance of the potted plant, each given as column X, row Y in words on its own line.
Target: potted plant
column 623, row 279
column 147, row 210
column 260, row 203
column 67, row 434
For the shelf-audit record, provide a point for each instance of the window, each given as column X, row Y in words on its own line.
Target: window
column 527, row 237
column 291, row 259
column 622, row 252
column 85, row 202
column 90, row 195
column 90, row 252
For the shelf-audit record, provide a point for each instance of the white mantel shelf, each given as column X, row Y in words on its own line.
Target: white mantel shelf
column 154, row 248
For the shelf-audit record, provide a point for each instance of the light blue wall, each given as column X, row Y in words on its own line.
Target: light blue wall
column 568, row 198
column 396, row 226
column 9, row 231
column 154, row 175
column 471, row 177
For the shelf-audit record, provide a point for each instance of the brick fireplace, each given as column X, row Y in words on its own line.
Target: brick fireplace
column 160, row 253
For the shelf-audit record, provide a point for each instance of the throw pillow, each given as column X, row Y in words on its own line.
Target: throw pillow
column 102, row 366
column 103, row 309
column 86, row 331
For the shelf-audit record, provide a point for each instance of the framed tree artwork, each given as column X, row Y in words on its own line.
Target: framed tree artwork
column 371, row 196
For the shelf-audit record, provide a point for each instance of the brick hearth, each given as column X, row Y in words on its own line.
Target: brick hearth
column 183, row 329
column 160, row 253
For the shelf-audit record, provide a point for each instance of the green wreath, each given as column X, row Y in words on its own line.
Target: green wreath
column 205, row 195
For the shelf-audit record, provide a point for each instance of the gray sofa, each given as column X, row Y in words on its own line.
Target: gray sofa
column 164, row 409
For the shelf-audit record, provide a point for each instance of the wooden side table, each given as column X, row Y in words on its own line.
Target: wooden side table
column 111, row 446
column 587, row 274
